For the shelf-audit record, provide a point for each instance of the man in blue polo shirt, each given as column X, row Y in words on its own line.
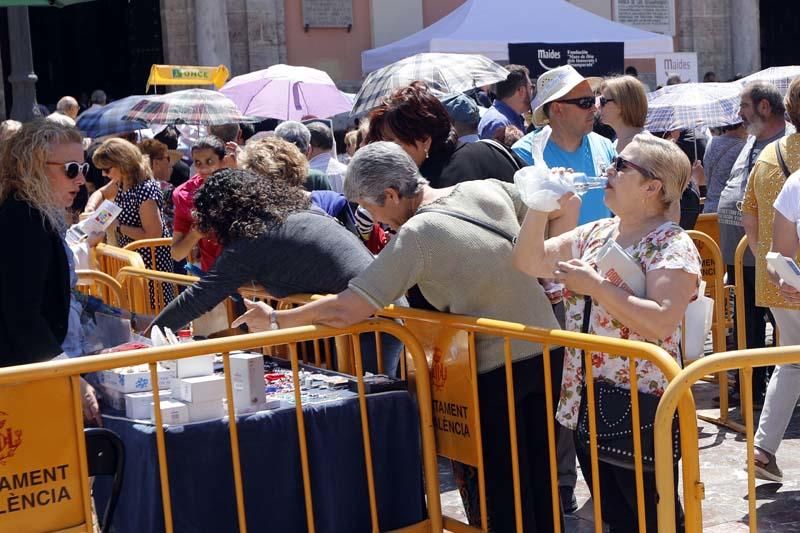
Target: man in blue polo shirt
column 565, row 109
column 513, row 97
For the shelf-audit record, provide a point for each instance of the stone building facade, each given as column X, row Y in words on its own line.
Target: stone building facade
column 253, row 34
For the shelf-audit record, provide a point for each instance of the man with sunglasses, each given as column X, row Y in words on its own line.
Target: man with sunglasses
column 564, row 110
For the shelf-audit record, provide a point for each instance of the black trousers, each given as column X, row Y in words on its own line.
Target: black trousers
column 534, row 465
column 755, row 325
column 618, row 495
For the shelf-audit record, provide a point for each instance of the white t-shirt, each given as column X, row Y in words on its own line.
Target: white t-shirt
column 788, row 201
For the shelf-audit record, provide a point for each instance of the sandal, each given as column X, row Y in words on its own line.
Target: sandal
column 768, row 471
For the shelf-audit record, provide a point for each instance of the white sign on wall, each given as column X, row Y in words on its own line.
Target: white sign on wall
column 684, row 64
column 649, row 15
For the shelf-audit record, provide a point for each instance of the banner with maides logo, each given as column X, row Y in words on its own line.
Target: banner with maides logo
column 187, row 75
column 590, row 59
column 41, row 484
column 453, row 388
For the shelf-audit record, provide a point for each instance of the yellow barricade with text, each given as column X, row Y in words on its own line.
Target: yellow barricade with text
column 675, row 394
column 44, row 487
column 449, row 344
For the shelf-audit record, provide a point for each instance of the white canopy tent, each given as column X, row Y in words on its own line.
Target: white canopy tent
column 487, row 26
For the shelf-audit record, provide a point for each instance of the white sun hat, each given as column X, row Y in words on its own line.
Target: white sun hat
column 555, row 84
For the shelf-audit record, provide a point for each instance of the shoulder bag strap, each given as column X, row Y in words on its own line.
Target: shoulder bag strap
column 781, row 160
column 485, row 225
column 503, row 150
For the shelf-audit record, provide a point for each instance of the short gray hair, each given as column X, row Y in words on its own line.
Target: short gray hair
column 379, row 166
column 764, row 90
column 66, row 104
column 296, row 133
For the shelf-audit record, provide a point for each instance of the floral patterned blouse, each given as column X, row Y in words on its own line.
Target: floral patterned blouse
column 666, row 247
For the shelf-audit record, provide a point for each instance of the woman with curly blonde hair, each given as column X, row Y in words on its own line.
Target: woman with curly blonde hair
column 41, row 170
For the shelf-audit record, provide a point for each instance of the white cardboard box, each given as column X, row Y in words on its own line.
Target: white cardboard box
column 138, row 405
column 202, row 389
column 199, row 411
column 172, row 412
column 190, row 367
column 133, row 379
column 247, row 379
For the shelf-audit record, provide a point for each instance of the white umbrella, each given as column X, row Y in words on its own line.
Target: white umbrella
column 780, row 77
column 443, row 73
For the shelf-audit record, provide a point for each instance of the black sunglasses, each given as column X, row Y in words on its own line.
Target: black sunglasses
column 72, row 168
column 602, row 101
column 585, row 102
column 620, row 163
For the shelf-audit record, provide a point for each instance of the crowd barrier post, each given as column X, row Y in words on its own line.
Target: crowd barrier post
column 713, row 272
column 57, row 382
column 103, row 286
column 676, row 396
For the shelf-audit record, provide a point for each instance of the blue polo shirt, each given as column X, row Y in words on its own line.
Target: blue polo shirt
column 592, row 157
column 499, row 116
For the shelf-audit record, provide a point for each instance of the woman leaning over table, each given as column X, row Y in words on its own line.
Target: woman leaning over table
column 644, row 181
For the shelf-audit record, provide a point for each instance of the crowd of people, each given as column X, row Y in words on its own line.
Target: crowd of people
column 421, row 209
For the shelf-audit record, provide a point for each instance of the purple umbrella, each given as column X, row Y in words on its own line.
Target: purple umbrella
column 287, row 93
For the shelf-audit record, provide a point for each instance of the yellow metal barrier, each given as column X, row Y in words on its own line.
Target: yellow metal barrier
column 708, row 223
column 675, row 396
column 102, row 286
column 713, row 272
column 110, row 259
column 443, row 334
column 62, row 377
column 454, row 335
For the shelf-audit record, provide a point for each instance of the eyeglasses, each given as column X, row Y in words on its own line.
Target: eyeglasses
column 585, row 102
column 602, row 101
column 620, row 163
column 72, row 168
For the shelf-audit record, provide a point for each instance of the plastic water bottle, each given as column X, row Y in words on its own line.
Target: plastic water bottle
column 584, row 183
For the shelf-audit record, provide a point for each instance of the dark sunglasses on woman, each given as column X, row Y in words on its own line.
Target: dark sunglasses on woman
column 585, row 102
column 72, row 168
column 602, row 101
column 620, row 163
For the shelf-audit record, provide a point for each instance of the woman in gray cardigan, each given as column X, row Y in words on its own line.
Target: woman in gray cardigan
column 461, row 266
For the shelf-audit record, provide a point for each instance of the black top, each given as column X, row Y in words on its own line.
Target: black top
column 470, row 161
column 309, row 253
column 34, row 286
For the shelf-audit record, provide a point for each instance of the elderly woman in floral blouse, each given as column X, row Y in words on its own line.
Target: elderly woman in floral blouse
column 644, row 181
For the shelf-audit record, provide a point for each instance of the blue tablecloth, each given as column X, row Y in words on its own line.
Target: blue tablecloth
column 201, row 478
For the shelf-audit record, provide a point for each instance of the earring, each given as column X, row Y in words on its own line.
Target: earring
column 426, row 153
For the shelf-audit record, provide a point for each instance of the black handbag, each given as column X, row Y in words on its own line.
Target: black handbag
column 614, row 422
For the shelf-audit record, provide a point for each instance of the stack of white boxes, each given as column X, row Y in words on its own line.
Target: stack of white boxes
column 197, row 388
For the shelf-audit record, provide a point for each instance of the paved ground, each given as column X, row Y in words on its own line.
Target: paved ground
column 722, row 461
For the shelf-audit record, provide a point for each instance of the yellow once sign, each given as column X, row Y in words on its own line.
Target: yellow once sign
column 187, row 75
column 41, row 485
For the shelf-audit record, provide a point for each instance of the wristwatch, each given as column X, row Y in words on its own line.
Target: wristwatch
column 273, row 320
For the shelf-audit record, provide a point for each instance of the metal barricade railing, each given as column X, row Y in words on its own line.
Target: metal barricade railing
column 102, row 286
column 438, row 334
column 66, row 374
column 675, row 394
column 148, row 245
column 110, row 259
column 431, row 327
column 713, row 272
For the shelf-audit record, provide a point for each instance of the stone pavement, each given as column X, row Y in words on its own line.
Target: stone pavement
column 722, row 462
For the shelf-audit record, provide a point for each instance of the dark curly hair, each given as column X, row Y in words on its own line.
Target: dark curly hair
column 237, row 204
column 412, row 113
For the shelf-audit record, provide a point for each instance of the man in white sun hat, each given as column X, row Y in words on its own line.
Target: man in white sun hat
column 564, row 109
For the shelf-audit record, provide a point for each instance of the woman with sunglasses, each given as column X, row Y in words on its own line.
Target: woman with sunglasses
column 41, row 171
column 134, row 190
column 623, row 106
column 644, row 181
